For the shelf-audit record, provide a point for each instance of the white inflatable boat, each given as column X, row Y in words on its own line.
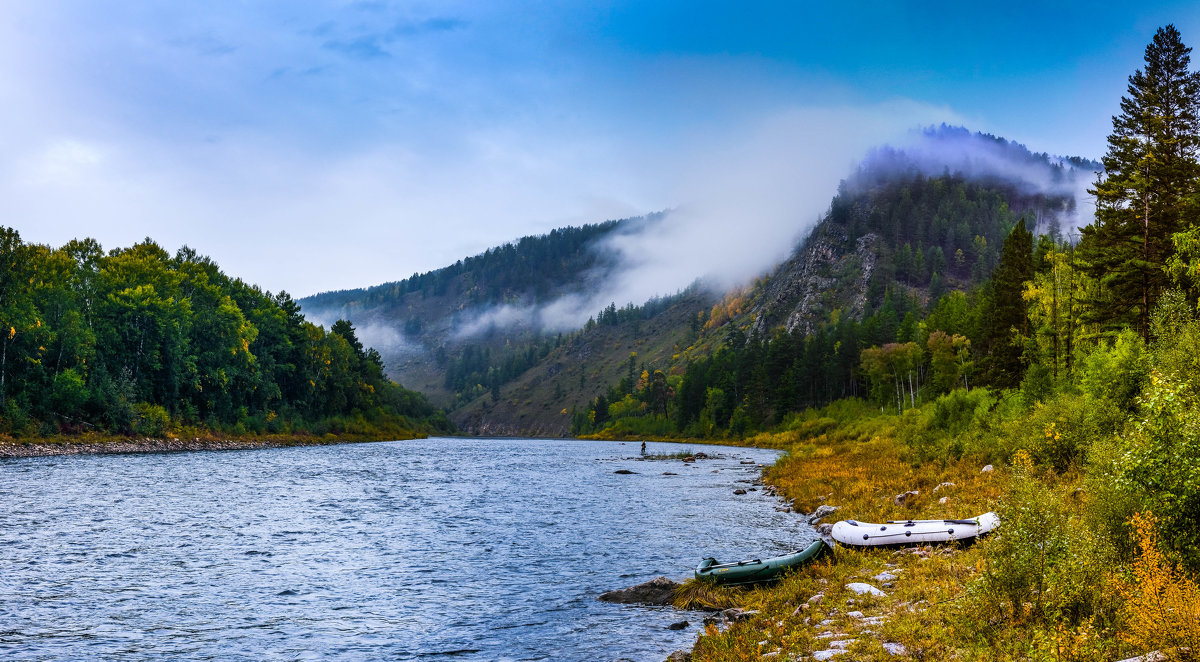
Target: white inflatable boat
column 913, row 531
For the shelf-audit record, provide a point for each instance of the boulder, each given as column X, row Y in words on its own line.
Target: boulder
column 825, row 529
column 821, row 512
column 624, row 471
column 679, row 656
column 864, row 589
column 659, row 591
column 735, row 614
column 739, row 491
column 942, row 486
column 901, row 499
column 987, row 470
column 678, row 626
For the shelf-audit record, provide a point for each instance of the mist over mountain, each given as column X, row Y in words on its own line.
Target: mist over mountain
column 473, row 327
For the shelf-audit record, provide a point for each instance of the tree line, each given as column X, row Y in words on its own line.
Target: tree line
column 135, row 340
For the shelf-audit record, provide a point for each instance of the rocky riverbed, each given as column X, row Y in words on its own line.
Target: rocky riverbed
column 147, row 445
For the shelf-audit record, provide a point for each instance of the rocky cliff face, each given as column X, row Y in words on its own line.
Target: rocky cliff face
column 830, row 271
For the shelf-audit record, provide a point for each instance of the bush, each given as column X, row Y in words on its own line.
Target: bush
column 1037, row 385
column 150, row 420
column 1043, row 565
column 1163, row 464
column 69, row 393
column 1109, row 502
column 1162, row 606
column 960, row 410
column 1117, row 372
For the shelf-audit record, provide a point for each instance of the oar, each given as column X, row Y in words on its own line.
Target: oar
column 929, row 521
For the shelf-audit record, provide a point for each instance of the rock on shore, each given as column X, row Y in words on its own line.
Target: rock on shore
column 659, row 591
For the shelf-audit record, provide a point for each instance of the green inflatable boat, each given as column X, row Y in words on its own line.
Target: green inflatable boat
column 755, row 571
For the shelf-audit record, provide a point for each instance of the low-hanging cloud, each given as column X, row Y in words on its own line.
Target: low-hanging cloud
column 743, row 200
column 745, row 203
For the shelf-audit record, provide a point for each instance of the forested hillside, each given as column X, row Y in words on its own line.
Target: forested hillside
column 1060, row 389
column 903, row 263
column 135, row 340
column 474, row 326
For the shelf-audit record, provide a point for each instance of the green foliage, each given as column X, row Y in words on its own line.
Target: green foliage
column 1043, row 566
column 1163, row 463
column 960, row 410
column 151, row 420
column 135, row 340
column 1037, row 385
column 1007, row 320
column 1110, row 501
column 1116, row 372
column 1142, row 199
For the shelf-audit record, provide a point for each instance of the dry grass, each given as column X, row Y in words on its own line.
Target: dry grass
column 860, row 467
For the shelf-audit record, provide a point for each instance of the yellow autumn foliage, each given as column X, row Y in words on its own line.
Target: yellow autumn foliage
column 1162, row 605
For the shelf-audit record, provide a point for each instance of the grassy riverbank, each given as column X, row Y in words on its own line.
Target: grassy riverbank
column 1063, row 579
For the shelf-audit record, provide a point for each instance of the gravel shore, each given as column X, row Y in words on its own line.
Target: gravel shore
column 171, row 445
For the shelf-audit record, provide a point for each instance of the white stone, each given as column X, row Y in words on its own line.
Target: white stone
column 856, row 614
column 884, row 577
column 827, row 654
column 895, row 649
column 864, row 589
column 988, row 469
column 845, row 643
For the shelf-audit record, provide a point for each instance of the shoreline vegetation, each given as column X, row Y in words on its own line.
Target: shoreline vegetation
column 1075, row 572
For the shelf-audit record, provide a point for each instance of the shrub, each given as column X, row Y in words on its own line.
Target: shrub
column 150, row 420
column 1116, row 373
column 1037, row 385
column 1163, row 463
column 69, row 393
column 1109, row 502
column 1162, row 606
column 1043, row 566
column 959, row 410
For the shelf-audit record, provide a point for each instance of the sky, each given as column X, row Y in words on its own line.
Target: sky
column 330, row 144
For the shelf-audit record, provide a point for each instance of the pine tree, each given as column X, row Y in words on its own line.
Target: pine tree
column 1009, row 315
column 1141, row 198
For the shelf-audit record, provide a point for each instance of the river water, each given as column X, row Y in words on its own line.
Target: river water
column 438, row 549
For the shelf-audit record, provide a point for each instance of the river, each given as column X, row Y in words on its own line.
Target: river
column 454, row 549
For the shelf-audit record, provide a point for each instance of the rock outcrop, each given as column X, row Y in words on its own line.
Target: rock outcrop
column 659, row 591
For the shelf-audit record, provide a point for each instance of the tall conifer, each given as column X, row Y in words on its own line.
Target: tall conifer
column 1150, row 171
column 1008, row 318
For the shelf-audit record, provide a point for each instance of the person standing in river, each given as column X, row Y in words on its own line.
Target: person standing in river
column 643, row 448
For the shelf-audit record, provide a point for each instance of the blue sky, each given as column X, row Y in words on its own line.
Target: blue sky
column 319, row 145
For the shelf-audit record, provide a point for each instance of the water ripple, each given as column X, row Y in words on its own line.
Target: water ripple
column 457, row 549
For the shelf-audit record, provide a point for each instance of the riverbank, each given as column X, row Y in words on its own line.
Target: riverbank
column 1049, row 585
column 108, row 444
column 860, row 470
